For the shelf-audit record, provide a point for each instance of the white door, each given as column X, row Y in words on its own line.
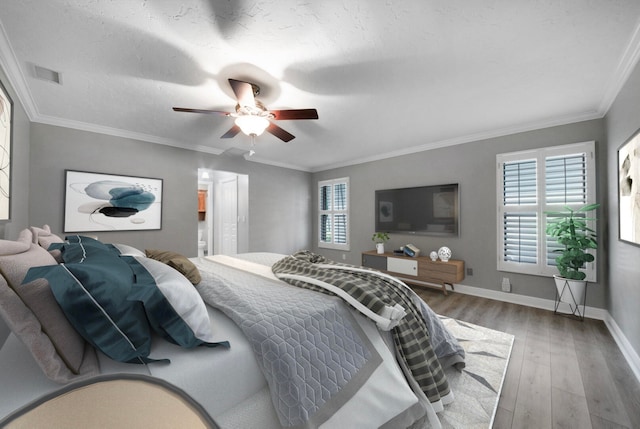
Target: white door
column 229, row 216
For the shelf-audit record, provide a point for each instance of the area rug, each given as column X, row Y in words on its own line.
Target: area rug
column 477, row 387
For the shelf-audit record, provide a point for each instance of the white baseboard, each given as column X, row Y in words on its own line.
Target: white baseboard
column 529, row 301
column 547, row 304
column 625, row 346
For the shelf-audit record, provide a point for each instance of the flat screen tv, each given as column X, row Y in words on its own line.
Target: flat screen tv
column 423, row 210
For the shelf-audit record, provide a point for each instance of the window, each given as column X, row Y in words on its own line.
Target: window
column 531, row 183
column 333, row 214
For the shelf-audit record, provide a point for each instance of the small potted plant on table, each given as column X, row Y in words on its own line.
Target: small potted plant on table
column 380, row 238
column 576, row 238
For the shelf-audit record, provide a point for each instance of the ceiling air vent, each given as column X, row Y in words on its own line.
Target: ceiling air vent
column 47, row 74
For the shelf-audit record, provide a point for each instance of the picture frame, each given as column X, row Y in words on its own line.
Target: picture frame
column 629, row 190
column 6, row 145
column 109, row 202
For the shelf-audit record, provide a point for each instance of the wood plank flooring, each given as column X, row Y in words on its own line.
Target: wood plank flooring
column 563, row 373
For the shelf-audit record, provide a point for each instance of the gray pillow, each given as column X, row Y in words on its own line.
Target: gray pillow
column 27, row 328
column 16, row 257
column 44, row 238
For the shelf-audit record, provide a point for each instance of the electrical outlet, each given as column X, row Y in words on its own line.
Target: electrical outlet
column 469, row 271
column 506, row 284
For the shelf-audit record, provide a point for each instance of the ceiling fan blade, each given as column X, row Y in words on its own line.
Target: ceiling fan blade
column 279, row 132
column 243, row 92
column 233, row 131
column 210, row 112
column 295, row 114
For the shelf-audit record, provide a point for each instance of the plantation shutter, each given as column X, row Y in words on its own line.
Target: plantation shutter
column 326, row 235
column 566, row 179
column 531, row 183
column 340, row 217
column 565, row 185
column 334, row 214
column 519, row 229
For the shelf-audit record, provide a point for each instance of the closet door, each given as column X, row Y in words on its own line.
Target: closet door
column 229, row 212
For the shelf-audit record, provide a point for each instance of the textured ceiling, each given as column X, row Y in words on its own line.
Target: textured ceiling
column 387, row 78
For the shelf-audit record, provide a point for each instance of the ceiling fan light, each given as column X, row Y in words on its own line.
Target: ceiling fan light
column 252, row 125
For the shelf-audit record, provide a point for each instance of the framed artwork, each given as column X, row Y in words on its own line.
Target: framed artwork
column 629, row 190
column 6, row 135
column 108, row 202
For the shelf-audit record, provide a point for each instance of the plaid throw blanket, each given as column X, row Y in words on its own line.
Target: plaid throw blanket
column 382, row 295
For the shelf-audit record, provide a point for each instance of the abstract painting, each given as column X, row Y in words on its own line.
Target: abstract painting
column 629, row 190
column 107, row 202
column 6, row 120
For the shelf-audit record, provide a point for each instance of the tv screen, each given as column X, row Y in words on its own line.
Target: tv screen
column 424, row 210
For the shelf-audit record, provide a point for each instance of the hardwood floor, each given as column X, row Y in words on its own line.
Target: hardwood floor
column 563, row 373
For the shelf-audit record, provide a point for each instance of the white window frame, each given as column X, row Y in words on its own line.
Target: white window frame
column 332, row 212
column 541, row 267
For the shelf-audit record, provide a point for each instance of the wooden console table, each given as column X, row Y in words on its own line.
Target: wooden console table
column 421, row 270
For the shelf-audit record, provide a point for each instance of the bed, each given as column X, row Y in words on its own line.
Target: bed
column 255, row 339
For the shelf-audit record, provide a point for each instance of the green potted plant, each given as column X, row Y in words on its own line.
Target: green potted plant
column 380, row 238
column 576, row 238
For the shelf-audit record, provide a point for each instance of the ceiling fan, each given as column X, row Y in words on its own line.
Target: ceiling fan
column 252, row 117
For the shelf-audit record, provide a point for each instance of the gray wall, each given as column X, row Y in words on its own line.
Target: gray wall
column 473, row 166
column 279, row 212
column 622, row 121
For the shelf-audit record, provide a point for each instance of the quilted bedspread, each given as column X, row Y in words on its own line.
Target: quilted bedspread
column 312, row 351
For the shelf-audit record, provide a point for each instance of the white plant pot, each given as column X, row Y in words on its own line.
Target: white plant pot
column 380, row 247
column 571, row 291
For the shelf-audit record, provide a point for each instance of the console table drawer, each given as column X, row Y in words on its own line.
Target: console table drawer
column 402, row 266
column 379, row 262
column 442, row 272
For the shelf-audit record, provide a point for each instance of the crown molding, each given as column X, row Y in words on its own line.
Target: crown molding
column 469, row 138
column 9, row 63
column 625, row 67
column 116, row 132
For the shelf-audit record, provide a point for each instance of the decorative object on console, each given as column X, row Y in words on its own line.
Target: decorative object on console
column 629, row 190
column 433, row 255
column 106, row 202
column 411, row 250
column 380, row 238
column 6, row 121
column 444, row 253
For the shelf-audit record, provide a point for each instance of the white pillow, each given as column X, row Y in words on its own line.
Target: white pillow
column 185, row 301
column 126, row 250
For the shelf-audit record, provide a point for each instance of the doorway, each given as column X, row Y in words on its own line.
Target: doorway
column 226, row 224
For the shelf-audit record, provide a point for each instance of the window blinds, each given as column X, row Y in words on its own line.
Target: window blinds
column 531, row 183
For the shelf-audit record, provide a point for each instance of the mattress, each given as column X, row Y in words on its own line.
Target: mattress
column 217, row 378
